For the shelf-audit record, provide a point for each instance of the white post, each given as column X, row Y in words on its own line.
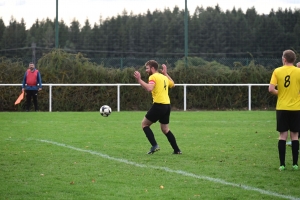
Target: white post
column 50, row 98
column 249, row 97
column 118, row 86
column 184, row 97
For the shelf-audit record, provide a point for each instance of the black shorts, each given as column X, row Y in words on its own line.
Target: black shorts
column 288, row 120
column 31, row 92
column 159, row 112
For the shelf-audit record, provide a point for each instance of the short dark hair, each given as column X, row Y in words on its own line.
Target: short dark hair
column 152, row 63
column 31, row 63
column 289, row 55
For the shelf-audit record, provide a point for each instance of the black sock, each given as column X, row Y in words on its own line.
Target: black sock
column 295, row 151
column 172, row 141
column 281, row 151
column 150, row 135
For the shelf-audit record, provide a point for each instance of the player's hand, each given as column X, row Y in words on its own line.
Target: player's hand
column 40, row 89
column 164, row 69
column 137, row 75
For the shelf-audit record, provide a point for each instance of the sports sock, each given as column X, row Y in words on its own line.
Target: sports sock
column 149, row 134
column 281, row 151
column 295, row 151
column 172, row 141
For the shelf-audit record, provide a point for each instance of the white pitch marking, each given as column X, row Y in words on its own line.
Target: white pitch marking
column 184, row 173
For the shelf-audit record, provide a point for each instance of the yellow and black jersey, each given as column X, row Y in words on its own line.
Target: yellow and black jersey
column 287, row 80
column 160, row 93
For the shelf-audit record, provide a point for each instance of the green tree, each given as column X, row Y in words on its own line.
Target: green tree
column 86, row 36
column 238, row 33
column 269, row 35
column 49, row 36
column 296, row 34
column 174, row 41
column 74, row 35
column 63, row 34
column 35, row 37
column 14, row 39
column 2, row 29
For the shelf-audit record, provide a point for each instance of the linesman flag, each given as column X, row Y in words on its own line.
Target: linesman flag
column 20, row 98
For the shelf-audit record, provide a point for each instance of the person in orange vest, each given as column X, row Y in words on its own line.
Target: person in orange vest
column 32, row 83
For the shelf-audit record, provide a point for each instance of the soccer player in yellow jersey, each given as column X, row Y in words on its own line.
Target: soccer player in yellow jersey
column 290, row 142
column 287, row 81
column 158, row 84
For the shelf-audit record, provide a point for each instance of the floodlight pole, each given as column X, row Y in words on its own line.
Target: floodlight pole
column 56, row 26
column 186, row 34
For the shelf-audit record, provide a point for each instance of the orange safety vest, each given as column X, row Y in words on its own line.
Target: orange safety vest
column 31, row 77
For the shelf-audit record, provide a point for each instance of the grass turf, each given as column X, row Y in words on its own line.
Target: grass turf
column 82, row 155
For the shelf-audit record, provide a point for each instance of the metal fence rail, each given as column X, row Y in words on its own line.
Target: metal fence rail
column 118, row 85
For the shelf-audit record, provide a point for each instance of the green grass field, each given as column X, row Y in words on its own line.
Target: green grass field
column 82, row 155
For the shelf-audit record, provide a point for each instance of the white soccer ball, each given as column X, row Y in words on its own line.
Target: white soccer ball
column 105, row 110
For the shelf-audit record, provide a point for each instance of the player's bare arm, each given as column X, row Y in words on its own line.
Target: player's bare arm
column 148, row 87
column 272, row 89
column 164, row 71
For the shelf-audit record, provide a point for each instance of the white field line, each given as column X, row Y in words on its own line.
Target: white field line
column 199, row 121
column 184, row 173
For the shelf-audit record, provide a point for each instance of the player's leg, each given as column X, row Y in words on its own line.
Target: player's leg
column 149, row 119
column 295, row 149
column 171, row 138
column 148, row 132
column 164, row 126
column 294, row 126
column 282, row 128
column 35, row 103
column 282, row 149
column 28, row 99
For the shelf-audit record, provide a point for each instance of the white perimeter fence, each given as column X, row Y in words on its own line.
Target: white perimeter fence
column 118, row 85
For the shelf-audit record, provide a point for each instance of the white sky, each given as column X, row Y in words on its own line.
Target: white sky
column 30, row 10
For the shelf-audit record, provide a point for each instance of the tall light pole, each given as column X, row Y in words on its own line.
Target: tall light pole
column 186, row 34
column 56, row 26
